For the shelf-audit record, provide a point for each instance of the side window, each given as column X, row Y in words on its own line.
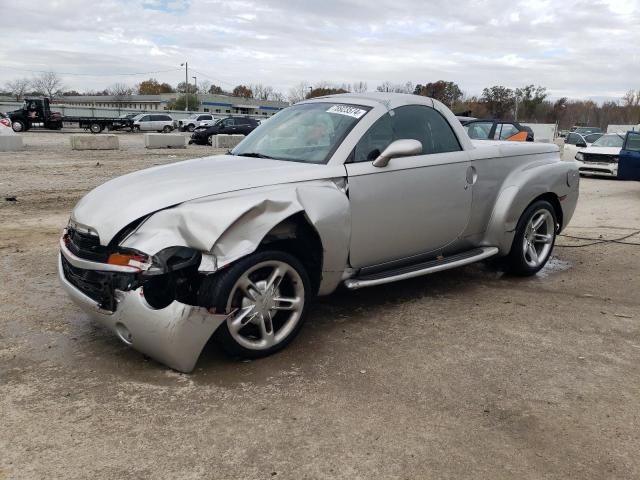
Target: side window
column 155, row 118
column 633, row 142
column 479, row 130
column 507, row 131
column 146, row 118
column 377, row 138
column 415, row 122
column 228, row 122
column 572, row 138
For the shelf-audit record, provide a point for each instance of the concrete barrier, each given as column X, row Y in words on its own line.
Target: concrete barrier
column 94, row 142
column 11, row 143
column 227, row 141
column 164, row 140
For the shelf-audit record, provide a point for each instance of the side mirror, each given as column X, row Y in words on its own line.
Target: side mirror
column 399, row 148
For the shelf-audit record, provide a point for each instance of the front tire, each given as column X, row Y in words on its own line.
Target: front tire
column 167, row 129
column 210, row 140
column 18, row 126
column 267, row 293
column 95, row 128
column 534, row 239
column 191, row 128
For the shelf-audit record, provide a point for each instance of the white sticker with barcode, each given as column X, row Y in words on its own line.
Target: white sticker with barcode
column 348, row 110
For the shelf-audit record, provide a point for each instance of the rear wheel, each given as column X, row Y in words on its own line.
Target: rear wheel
column 95, row 128
column 191, row 127
column 210, row 140
column 534, row 239
column 266, row 294
column 18, row 126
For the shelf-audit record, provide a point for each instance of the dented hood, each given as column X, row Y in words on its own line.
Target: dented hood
column 115, row 204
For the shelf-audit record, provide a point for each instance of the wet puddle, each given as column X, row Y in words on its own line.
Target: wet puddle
column 554, row 265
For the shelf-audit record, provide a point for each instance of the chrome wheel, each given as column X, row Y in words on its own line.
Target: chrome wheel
column 17, row 126
column 538, row 238
column 210, row 140
column 267, row 302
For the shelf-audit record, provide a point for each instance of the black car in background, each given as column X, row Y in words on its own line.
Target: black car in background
column 225, row 126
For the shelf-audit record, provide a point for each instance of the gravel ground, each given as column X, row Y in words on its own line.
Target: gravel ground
column 462, row 374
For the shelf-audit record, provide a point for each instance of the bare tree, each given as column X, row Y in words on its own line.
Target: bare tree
column 204, row 86
column 120, row 90
column 262, row 92
column 358, row 87
column 298, row 92
column 18, row 87
column 49, row 84
column 387, row 86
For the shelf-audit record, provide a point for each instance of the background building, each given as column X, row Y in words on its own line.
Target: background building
column 221, row 104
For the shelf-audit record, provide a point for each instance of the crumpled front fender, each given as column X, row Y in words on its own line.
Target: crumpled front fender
column 233, row 225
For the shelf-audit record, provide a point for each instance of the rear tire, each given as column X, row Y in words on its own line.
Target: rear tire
column 210, row 140
column 191, row 128
column 95, row 128
column 534, row 240
column 267, row 293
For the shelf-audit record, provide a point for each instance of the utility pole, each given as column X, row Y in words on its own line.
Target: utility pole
column 186, row 85
column 195, row 79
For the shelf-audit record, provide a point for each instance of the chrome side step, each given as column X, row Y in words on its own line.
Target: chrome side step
column 419, row 269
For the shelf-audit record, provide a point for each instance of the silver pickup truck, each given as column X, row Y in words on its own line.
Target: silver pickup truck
column 354, row 190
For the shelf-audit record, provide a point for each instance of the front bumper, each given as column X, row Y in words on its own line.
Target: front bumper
column 598, row 168
column 174, row 335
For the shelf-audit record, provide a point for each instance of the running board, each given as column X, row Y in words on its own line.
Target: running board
column 424, row 268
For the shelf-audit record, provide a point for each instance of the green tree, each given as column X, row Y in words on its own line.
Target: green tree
column 498, row 100
column 448, row 93
column 216, row 90
column 322, row 91
column 529, row 98
column 180, row 103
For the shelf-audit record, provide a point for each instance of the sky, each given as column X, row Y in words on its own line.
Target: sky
column 574, row 48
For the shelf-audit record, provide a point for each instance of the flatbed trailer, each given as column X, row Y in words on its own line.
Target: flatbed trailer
column 35, row 113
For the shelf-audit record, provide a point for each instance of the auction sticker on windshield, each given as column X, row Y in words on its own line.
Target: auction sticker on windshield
column 348, row 110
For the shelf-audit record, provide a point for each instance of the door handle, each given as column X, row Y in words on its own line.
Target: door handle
column 472, row 177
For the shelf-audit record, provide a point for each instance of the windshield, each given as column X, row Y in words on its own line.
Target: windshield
column 308, row 132
column 609, row 141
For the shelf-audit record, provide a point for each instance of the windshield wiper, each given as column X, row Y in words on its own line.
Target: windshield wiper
column 254, row 155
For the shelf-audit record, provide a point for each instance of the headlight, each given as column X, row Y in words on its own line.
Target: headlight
column 579, row 156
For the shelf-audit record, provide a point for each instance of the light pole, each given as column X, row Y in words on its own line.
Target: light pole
column 186, row 85
column 195, row 80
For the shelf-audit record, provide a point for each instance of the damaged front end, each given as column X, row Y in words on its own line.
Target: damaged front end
column 99, row 271
column 148, row 301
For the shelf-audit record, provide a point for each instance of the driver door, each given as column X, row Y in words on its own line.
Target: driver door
column 415, row 205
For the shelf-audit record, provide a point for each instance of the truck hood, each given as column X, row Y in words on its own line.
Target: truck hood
column 115, row 204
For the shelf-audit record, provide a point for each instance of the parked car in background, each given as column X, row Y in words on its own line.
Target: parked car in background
column 228, row 126
column 352, row 190
column 196, row 120
column 586, row 130
column 497, row 130
column 601, row 158
column 149, row 122
column 576, row 141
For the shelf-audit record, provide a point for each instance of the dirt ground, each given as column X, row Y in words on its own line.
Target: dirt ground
column 465, row 374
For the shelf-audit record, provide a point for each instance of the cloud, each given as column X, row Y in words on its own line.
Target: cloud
column 577, row 48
